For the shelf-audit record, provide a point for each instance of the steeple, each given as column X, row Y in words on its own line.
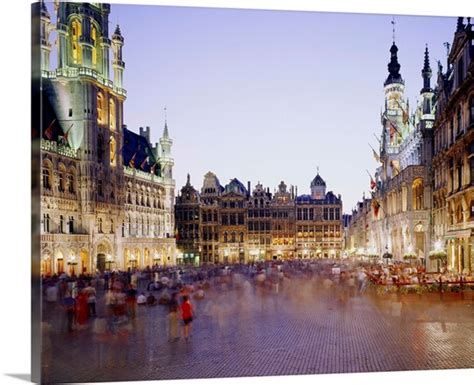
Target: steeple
column 393, row 67
column 118, row 63
column 460, row 26
column 188, row 180
column 426, row 72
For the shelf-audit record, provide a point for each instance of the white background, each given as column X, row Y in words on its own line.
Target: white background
column 15, row 182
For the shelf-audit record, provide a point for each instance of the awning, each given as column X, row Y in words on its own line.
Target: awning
column 466, row 233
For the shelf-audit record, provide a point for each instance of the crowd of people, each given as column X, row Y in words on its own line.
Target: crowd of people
column 178, row 288
column 121, row 292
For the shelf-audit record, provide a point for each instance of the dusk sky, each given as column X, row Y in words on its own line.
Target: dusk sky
column 269, row 95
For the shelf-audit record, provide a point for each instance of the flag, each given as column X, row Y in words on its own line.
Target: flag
column 132, row 161
column 142, row 166
column 376, row 156
column 65, row 135
column 405, row 117
column 49, row 131
column 152, row 170
column 373, row 184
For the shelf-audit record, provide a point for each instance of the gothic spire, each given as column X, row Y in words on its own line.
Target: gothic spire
column 165, row 131
column 394, row 66
column 460, row 26
column 426, row 72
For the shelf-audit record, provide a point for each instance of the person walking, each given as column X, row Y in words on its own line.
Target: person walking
column 173, row 318
column 91, row 299
column 186, row 316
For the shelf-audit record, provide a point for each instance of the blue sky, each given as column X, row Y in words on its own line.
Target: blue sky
column 269, row 95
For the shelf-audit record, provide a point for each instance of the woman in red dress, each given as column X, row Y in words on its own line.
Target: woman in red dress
column 186, row 316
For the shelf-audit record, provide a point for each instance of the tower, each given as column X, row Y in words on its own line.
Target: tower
column 426, row 110
column 166, row 161
column 395, row 117
column 118, row 64
column 46, row 27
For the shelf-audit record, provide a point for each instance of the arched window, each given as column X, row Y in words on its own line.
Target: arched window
column 241, row 237
column 62, row 178
column 112, row 115
column 94, row 45
column 46, row 176
column 113, row 150
column 100, row 108
column 61, row 224
column 471, row 110
column 46, row 223
column 417, row 193
column 75, row 34
column 71, row 181
column 225, row 237
column 71, row 225
column 232, row 237
column 100, row 224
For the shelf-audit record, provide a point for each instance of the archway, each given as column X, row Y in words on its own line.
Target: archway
column 103, row 251
column 59, row 259
column 46, row 267
column 84, row 261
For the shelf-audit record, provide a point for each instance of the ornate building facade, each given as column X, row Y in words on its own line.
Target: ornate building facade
column 397, row 217
column 107, row 196
column 237, row 225
column 453, row 161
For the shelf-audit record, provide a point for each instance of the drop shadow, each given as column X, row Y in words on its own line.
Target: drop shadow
column 20, row 376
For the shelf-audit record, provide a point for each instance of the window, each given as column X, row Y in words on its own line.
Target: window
column 75, row 34
column 112, row 151
column 459, row 120
column 46, row 178
column 70, row 182
column 232, row 237
column 111, row 226
column 241, row 237
column 100, row 109
column 61, row 224
column 460, row 70
column 62, row 178
column 417, row 191
column 123, row 229
column 112, row 117
column 225, row 237
column 99, row 225
column 46, row 223
column 71, row 225
column 100, row 187
column 94, row 45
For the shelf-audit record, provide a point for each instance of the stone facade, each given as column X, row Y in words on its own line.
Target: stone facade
column 396, row 219
column 229, row 224
column 107, row 196
column 453, row 161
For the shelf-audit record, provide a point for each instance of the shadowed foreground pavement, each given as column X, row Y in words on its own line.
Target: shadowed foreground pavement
column 304, row 329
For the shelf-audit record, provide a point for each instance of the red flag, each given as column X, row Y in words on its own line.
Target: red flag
column 49, row 131
column 375, row 206
column 373, row 185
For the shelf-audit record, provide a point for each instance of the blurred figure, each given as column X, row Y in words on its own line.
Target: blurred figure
column 141, row 300
column 173, row 318
column 69, row 304
column 186, row 316
column 91, row 299
column 82, row 310
column 131, row 300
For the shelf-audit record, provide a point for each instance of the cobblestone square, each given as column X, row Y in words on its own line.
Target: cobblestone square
column 301, row 329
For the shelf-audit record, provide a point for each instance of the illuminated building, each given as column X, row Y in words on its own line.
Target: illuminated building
column 107, row 196
column 453, row 161
column 235, row 226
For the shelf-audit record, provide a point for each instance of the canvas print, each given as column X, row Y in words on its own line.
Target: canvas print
column 234, row 193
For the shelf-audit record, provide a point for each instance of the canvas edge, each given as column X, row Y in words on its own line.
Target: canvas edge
column 36, row 129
